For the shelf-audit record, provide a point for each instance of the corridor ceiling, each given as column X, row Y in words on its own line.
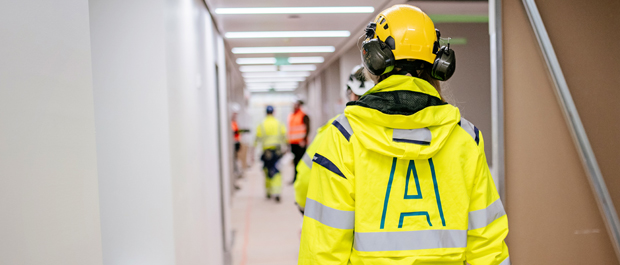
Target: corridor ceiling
column 349, row 27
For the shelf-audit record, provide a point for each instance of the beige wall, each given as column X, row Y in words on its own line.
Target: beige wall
column 552, row 213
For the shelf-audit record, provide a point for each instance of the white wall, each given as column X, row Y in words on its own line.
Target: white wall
column 131, row 108
column 194, row 133
column 48, row 173
column 158, row 132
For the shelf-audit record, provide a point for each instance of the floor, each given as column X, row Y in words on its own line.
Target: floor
column 265, row 232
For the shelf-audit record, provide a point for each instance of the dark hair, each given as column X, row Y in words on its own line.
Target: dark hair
column 417, row 68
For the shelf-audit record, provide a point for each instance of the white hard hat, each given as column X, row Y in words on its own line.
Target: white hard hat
column 358, row 83
column 235, row 107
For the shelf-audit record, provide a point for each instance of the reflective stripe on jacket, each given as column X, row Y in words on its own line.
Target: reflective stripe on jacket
column 297, row 128
column 270, row 133
column 402, row 184
column 303, row 167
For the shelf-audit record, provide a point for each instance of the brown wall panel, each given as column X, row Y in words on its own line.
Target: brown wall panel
column 552, row 212
column 585, row 36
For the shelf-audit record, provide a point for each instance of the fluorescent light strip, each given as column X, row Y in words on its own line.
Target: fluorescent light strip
column 287, row 34
column 276, row 74
column 269, row 90
column 310, row 59
column 298, row 67
column 274, row 84
column 296, row 10
column 268, row 60
column 270, row 87
column 271, row 80
column 258, row 68
column 272, row 60
column 283, row 49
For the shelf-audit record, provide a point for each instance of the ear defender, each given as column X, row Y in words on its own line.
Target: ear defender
column 377, row 56
column 445, row 62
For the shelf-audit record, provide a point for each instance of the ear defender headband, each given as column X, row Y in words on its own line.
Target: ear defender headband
column 378, row 58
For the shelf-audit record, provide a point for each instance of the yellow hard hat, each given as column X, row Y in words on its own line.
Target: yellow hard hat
column 404, row 32
column 409, row 31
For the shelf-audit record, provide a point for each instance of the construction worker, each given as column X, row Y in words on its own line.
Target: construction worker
column 401, row 177
column 238, row 158
column 299, row 127
column 357, row 85
column 271, row 134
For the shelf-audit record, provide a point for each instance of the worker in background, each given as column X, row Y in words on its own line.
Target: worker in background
column 271, row 134
column 299, row 127
column 357, row 85
column 401, row 177
column 238, row 155
column 236, row 133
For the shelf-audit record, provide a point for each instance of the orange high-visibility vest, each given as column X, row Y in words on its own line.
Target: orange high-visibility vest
column 297, row 128
column 235, row 129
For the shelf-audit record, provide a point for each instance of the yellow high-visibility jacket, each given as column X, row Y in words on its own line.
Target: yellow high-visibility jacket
column 303, row 167
column 402, row 178
column 271, row 133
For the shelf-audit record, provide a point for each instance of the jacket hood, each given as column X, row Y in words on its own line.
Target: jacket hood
column 402, row 117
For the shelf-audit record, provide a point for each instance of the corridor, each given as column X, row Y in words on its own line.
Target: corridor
column 122, row 123
column 265, row 232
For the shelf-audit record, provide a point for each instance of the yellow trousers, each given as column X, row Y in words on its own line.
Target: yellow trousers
column 273, row 185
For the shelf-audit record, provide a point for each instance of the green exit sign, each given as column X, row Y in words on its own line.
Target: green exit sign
column 282, row 61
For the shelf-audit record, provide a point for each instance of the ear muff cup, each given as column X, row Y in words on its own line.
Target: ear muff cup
column 377, row 57
column 444, row 65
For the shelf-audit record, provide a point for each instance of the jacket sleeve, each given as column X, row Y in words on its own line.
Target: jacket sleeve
column 259, row 135
column 488, row 223
column 284, row 139
column 327, row 232
column 302, row 182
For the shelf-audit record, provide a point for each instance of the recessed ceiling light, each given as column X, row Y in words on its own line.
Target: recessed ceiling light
column 268, row 60
column 274, row 79
column 287, row 34
column 283, row 49
column 297, row 10
column 276, row 74
column 258, row 68
column 273, row 60
column 272, row 85
column 310, row 59
column 299, row 67
column 266, row 90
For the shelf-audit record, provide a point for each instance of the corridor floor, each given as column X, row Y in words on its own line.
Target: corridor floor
column 265, row 232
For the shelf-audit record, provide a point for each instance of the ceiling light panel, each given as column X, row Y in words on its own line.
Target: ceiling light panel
column 283, row 49
column 267, row 60
column 273, row 84
column 271, row 80
column 287, row 34
column 296, row 10
column 298, row 67
column 276, row 74
column 258, row 68
column 310, row 59
column 270, row 87
column 272, row 90
column 273, row 60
